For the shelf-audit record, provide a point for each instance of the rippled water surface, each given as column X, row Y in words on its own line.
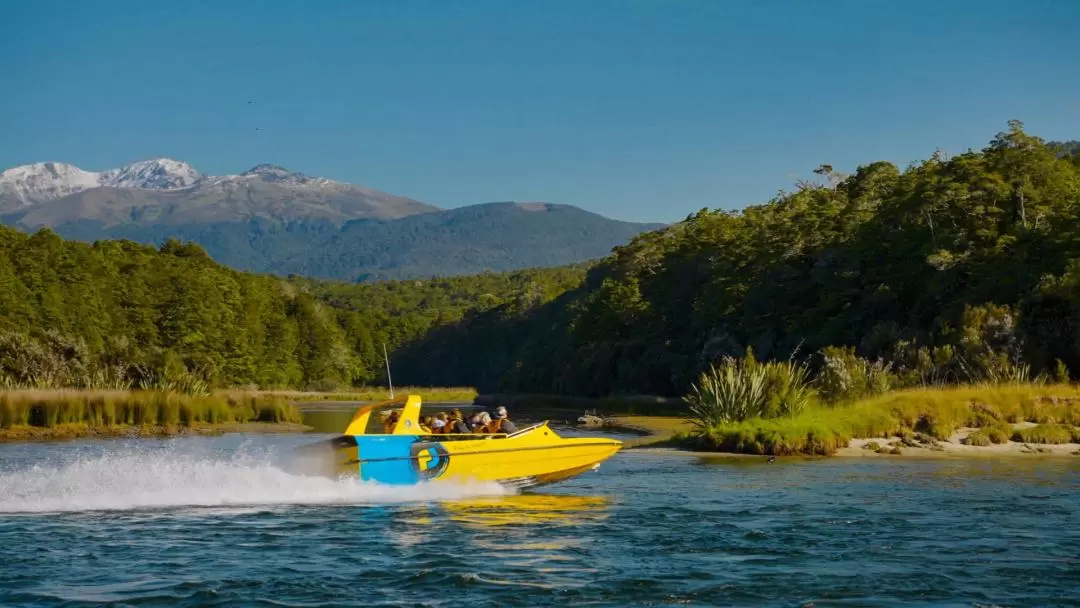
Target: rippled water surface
column 221, row 522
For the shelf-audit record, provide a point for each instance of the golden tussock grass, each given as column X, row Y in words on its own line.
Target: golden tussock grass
column 937, row 412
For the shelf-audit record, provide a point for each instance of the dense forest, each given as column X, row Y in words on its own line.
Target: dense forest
column 961, row 269
column 121, row 314
column 955, row 269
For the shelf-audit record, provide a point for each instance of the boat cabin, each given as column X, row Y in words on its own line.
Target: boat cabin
column 372, row 419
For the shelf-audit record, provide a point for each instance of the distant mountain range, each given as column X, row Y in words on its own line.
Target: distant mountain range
column 269, row 219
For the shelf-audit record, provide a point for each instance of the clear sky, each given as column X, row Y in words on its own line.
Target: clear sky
column 636, row 110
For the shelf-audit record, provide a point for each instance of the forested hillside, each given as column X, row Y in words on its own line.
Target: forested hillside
column 961, row 269
column 120, row 314
column 953, row 269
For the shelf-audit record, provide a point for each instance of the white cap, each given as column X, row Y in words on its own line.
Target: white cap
column 437, row 423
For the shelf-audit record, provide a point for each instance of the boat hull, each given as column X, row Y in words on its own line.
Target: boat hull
column 533, row 457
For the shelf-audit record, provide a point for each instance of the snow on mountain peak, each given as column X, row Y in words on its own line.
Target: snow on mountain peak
column 276, row 174
column 39, row 182
column 43, row 181
column 155, row 174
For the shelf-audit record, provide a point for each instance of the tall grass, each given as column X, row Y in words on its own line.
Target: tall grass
column 937, row 412
column 739, row 390
column 49, row 408
column 732, row 392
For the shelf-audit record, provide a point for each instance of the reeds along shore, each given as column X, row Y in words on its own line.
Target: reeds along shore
column 1000, row 413
column 51, row 408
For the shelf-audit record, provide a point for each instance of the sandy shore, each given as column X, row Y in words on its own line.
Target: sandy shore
column 862, row 448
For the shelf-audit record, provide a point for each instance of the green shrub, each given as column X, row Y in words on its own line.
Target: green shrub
column 1043, row 433
column 778, row 437
column 787, row 388
column 998, row 434
column 846, row 377
column 978, row 438
column 738, row 390
column 732, row 392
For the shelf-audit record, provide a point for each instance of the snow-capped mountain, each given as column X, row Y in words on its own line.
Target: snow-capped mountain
column 270, row 219
column 39, row 182
column 156, row 174
column 28, row 184
column 167, row 190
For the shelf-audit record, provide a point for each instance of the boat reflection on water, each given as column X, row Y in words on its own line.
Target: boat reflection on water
column 525, row 509
column 542, row 526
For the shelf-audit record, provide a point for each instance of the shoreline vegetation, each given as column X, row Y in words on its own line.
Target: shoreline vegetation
column 39, row 414
column 957, row 420
column 980, row 421
column 47, row 414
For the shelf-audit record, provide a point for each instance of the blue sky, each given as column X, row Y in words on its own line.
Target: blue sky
column 636, row 110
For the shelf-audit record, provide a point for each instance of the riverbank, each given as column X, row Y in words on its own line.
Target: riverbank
column 29, row 415
column 65, row 432
column 1020, row 421
column 45, row 415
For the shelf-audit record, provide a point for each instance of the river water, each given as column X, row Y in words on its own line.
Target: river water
column 221, row 522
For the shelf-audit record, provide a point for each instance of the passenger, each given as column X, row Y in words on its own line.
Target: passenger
column 475, row 424
column 501, row 423
column 483, row 419
column 438, row 426
column 456, row 423
column 425, row 425
column 390, row 422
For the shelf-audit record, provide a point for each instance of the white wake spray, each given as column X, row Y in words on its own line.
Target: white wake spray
column 131, row 478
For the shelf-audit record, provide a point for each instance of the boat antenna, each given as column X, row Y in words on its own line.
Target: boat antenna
column 388, row 378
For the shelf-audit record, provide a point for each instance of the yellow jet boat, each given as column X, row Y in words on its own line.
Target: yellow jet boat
column 406, row 454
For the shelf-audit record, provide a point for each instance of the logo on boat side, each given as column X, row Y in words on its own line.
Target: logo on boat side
column 428, row 459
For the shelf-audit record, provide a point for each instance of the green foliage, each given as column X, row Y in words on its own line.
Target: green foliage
column 109, row 408
column 998, row 434
column 978, row 439
column 788, row 389
column 116, row 315
column 961, row 269
column 843, row 376
column 740, row 389
column 1044, row 433
column 917, row 416
column 732, row 392
column 953, row 270
column 780, row 437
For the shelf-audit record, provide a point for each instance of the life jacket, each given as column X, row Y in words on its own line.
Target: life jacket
column 495, row 426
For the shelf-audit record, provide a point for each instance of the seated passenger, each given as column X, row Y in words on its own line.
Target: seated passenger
column 483, row 420
column 501, row 423
column 390, row 422
column 456, row 423
column 438, row 426
column 475, row 426
column 425, row 425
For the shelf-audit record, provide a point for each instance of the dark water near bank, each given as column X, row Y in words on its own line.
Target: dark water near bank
column 220, row 522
